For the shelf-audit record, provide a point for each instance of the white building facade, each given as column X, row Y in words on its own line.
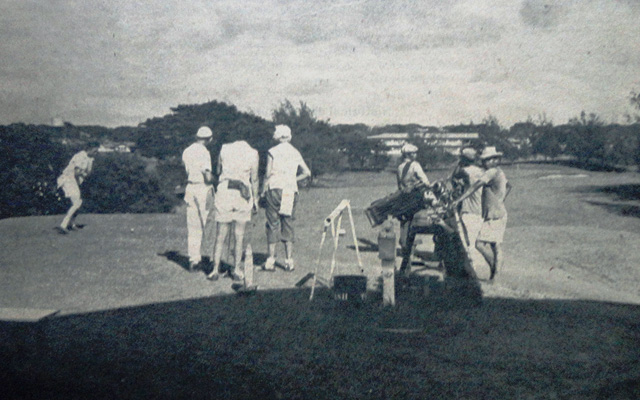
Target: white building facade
column 451, row 142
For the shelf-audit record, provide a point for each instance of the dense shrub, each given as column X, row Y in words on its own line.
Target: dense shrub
column 29, row 166
column 172, row 174
column 316, row 140
column 123, row 183
column 166, row 137
column 361, row 153
column 434, row 157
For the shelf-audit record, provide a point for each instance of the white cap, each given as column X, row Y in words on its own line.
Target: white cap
column 409, row 148
column 282, row 132
column 204, row 133
column 468, row 153
column 490, row 152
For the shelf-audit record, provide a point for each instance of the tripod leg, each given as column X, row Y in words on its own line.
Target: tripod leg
column 355, row 239
column 336, row 238
column 315, row 273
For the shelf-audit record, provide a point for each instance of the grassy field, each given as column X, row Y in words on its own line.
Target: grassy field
column 561, row 320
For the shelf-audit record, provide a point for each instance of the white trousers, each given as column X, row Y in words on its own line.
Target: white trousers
column 195, row 195
column 71, row 190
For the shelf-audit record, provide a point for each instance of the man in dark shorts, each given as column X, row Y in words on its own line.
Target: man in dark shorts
column 280, row 191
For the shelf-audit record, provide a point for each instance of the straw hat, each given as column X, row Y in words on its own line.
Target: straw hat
column 490, row 152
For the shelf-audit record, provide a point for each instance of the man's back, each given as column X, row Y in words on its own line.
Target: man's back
column 196, row 159
column 80, row 160
column 237, row 160
column 472, row 204
column 284, row 169
column 494, row 193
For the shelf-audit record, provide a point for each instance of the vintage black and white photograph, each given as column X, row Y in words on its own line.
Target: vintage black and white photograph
column 335, row 199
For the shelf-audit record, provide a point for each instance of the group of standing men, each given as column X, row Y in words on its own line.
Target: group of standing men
column 235, row 199
column 481, row 206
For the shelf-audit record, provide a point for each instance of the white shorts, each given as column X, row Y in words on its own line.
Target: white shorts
column 493, row 230
column 231, row 206
column 471, row 223
column 70, row 187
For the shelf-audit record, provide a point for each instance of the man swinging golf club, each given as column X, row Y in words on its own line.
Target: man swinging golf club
column 78, row 169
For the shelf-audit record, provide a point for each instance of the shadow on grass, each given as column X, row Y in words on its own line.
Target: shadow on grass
column 369, row 246
column 627, row 210
column 439, row 341
column 183, row 261
column 622, row 198
column 622, row 192
column 175, row 256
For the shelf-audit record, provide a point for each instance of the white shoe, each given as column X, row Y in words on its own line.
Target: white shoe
column 288, row 265
column 269, row 265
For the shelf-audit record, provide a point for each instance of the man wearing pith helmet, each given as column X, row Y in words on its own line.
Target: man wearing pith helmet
column 280, row 191
column 197, row 162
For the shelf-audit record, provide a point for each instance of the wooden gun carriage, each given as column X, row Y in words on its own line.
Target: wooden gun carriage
column 429, row 210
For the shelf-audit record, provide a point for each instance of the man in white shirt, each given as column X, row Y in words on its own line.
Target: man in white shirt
column 78, row 169
column 495, row 189
column 197, row 161
column 468, row 173
column 280, row 191
column 409, row 175
column 235, row 199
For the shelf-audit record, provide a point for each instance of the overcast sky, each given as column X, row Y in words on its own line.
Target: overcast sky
column 433, row 62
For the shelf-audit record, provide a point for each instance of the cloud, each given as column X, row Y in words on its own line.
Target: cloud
column 541, row 13
column 387, row 26
column 371, row 61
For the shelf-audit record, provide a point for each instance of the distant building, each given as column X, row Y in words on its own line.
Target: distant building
column 450, row 142
column 111, row 147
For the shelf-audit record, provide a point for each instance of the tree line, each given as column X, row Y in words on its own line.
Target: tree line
column 146, row 179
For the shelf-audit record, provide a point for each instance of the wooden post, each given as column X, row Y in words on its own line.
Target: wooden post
column 386, row 253
column 248, row 267
column 388, row 283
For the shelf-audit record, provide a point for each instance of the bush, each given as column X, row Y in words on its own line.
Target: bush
column 122, row 183
column 28, row 170
column 434, row 157
column 316, row 140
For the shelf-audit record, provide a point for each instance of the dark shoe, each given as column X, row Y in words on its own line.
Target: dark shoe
column 61, row 230
column 213, row 276
column 76, row 227
column 235, row 277
column 194, row 266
